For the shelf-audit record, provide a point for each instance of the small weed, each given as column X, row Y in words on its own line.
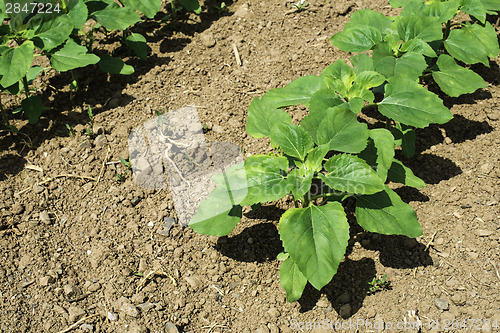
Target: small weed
column 377, row 285
column 90, row 124
column 301, row 5
column 222, row 9
column 71, row 131
column 120, row 177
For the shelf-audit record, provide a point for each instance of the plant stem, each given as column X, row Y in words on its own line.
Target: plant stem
column 447, row 30
column 296, row 203
column 64, row 6
column 323, row 196
column 26, row 87
column 75, row 79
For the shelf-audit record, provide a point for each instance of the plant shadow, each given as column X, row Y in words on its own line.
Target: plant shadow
column 432, row 169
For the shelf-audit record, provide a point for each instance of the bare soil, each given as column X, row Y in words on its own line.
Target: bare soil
column 81, row 245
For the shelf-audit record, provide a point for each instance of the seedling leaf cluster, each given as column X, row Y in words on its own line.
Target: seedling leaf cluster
column 331, row 155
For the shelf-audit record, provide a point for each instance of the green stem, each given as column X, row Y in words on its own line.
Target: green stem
column 326, row 195
column 64, row 6
column 75, row 79
column 447, row 30
column 26, row 87
column 296, row 203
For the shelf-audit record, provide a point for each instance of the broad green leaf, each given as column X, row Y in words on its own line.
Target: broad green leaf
column 491, row 5
column 415, row 7
column 402, row 3
column 426, row 28
column 138, row 44
column 116, row 18
column 351, row 174
column 292, row 280
column 265, row 179
column 409, row 65
column 78, row 14
column 147, row 7
column 417, row 45
column 114, row 65
column 15, row 63
column 53, row 33
column 362, row 84
column 356, row 103
column 338, row 77
column 300, row 180
column 454, row 80
column 261, row 119
column 33, row 73
column 370, row 18
column 410, row 103
column 341, row 130
column 234, row 181
column 399, row 173
column 385, row 213
column 405, row 137
column 362, row 63
column 216, row 215
column 316, row 238
column 292, row 139
column 445, row 10
column 97, row 5
column 473, row 44
column 379, row 151
column 72, row 56
column 314, row 160
column 358, row 38
column 474, row 8
column 296, row 92
column 33, row 108
column 191, row 5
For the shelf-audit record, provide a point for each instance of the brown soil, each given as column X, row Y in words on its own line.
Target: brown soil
column 73, row 247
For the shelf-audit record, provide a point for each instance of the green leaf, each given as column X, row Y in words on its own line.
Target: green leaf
column 399, row 173
column 359, row 38
column 370, row 18
column 405, row 137
column 426, row 28
column 72, row 56
column 191, row 5
column 216, row 215
column 379, row 151
column 410, row 65
column 316, row 238
column 417, row 45
column 473, row 44
column 53, row 33
column 363, row 82
column 351, row 174
column 385, row 213
column 403, row 3
column 454, row 80
column 340, row 129
column 300, row 180
column 474, row 8
column 116, row 18
column 356, row 103
column 15, row 63
column 33, row 108
column 79, row 14
column 296, row 92
column 445, row 10
column 491, row 5
column 292, row 280
column 114, row 65
column 362, row 63
column 261, row 119
column 147, row 7
column 266, row 179
column 314, row 160
column 292, row 139
column 138, row 44
column 338, row 77
column 33, row 73
column 409, row 103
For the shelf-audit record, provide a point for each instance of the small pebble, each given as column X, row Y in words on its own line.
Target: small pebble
column 441, row 303
column 483, row 233
column 345, row 311
column 193, row 281
column 170, row 328
column 75, row 313
column 207, row 39
column 112, row 316
column 144, row 307
column 45, row 218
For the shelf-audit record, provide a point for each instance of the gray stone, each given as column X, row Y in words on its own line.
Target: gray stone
column 128, row 308
column 75, row 313
column 84, row 145
column 193, row 281
column 112, row 316
column 145, row 307
column 100, row 140
column 71, row 291
column 87, row 327
column 97, row 130
column 94, row 287
column 441, row 303
column 483, row 233
column 46, row 280
column 217, row 129
column 207, row 39
column 170, row 328
column 242, row 11
column 345, row 311
column 164, row 228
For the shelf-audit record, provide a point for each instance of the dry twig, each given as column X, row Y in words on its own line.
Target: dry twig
column 150, row 276
column 236, row 54
column 430, row 242
column 54, row 178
